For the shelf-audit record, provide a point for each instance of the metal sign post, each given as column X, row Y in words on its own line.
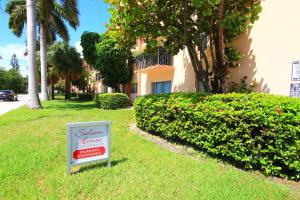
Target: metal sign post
column 88, row 142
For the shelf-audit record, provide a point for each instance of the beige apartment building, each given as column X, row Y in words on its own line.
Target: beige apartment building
column 271, row 58
column 271, row 51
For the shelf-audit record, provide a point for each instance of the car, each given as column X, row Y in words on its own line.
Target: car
column 8, row 95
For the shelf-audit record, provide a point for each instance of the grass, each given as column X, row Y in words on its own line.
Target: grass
column 33, row 163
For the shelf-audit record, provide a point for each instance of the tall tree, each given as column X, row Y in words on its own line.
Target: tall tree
column 113, row 61
column 67, row 62
column 52, row 9
column 14, row 81
column 180, row 24
column 51, row 17
column 14, row 63
column 33, row 98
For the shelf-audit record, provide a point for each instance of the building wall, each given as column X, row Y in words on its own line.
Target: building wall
column 270, row 47
column 144, row 78
column 181, row 75
column 184, row 76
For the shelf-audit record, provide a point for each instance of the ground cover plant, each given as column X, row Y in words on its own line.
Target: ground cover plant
column 254, row 131
column 33, row 163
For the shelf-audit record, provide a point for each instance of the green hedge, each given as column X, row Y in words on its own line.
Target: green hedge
column 73, row 94
column 255, row 131
column 112, row 101
column 85, row 97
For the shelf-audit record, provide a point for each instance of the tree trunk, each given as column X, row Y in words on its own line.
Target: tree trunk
column 68, row 87
column 117, row 88
column 33, row 98
column 52, row 91
column 52, row 88
column 220, row 51
column 201, row 74
column 43, row 42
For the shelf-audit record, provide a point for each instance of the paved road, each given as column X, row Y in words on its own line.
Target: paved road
column 6, row 106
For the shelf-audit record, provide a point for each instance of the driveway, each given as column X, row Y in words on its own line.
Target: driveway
column 6, row 106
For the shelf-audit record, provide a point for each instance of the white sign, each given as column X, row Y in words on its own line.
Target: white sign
column 296, row 71
column 295, row 90
column 88, row 142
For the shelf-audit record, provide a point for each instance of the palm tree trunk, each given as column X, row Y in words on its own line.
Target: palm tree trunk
column 33, row 98
column 67, row 87
column 43, row 42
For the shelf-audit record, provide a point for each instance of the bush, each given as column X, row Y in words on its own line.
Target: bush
column 255, row 131
column 74, row 94
column 112, row 101
column 85, row 97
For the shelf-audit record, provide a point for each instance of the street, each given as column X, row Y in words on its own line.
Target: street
column 6, row 106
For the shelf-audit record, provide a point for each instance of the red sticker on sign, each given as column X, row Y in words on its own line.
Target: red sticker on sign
column 87, row 153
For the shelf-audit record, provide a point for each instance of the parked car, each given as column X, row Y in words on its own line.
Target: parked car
column 8, row 95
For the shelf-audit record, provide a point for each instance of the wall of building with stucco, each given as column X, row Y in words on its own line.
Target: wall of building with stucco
column 270, row 47
column 184, row 76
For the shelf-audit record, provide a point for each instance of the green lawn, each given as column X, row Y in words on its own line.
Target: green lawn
column 33, row 163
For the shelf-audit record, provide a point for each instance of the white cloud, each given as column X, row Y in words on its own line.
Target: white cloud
column 7, row 51
column 79, row 48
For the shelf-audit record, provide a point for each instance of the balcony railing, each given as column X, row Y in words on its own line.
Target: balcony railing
column 145, row 61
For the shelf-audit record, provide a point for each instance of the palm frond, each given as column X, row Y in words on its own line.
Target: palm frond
column 54, row 14
column 69, row 12
column 17, row 16
column 59, row 27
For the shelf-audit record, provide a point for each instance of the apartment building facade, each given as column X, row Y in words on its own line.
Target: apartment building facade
column 271, row 58
column 161, row 73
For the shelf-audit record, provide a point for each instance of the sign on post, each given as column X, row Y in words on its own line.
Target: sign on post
column 88, row 142
column 296, row 71
column 295, row 90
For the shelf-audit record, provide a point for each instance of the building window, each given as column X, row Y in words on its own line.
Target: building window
column 98, row 77
column 161, row 87
column 134, row 88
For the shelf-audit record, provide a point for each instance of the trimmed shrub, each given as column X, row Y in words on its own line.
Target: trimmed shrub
column 73, row 94
column 112, row 101
column 254, row 131
column 85, row 97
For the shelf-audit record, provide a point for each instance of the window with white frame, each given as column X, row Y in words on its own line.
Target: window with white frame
column 163, row 87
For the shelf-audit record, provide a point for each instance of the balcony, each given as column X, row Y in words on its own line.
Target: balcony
column 145, row 61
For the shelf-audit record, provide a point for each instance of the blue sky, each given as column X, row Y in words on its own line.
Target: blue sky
column 93, row 16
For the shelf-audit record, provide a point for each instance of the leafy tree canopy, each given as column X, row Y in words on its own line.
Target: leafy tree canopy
column 88, row 43
column 191, row 24
column 104, row 53
column 12, row 80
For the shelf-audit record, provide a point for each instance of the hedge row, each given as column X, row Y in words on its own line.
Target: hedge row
column 112, row 101
column 255, row 131
column 85, row 97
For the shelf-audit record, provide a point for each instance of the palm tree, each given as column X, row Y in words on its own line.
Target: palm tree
column 51, row 17
column 54, row 11
column 33, row 101
column 66, row 60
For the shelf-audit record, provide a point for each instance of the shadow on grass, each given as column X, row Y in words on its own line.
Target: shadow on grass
column 99, row 165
